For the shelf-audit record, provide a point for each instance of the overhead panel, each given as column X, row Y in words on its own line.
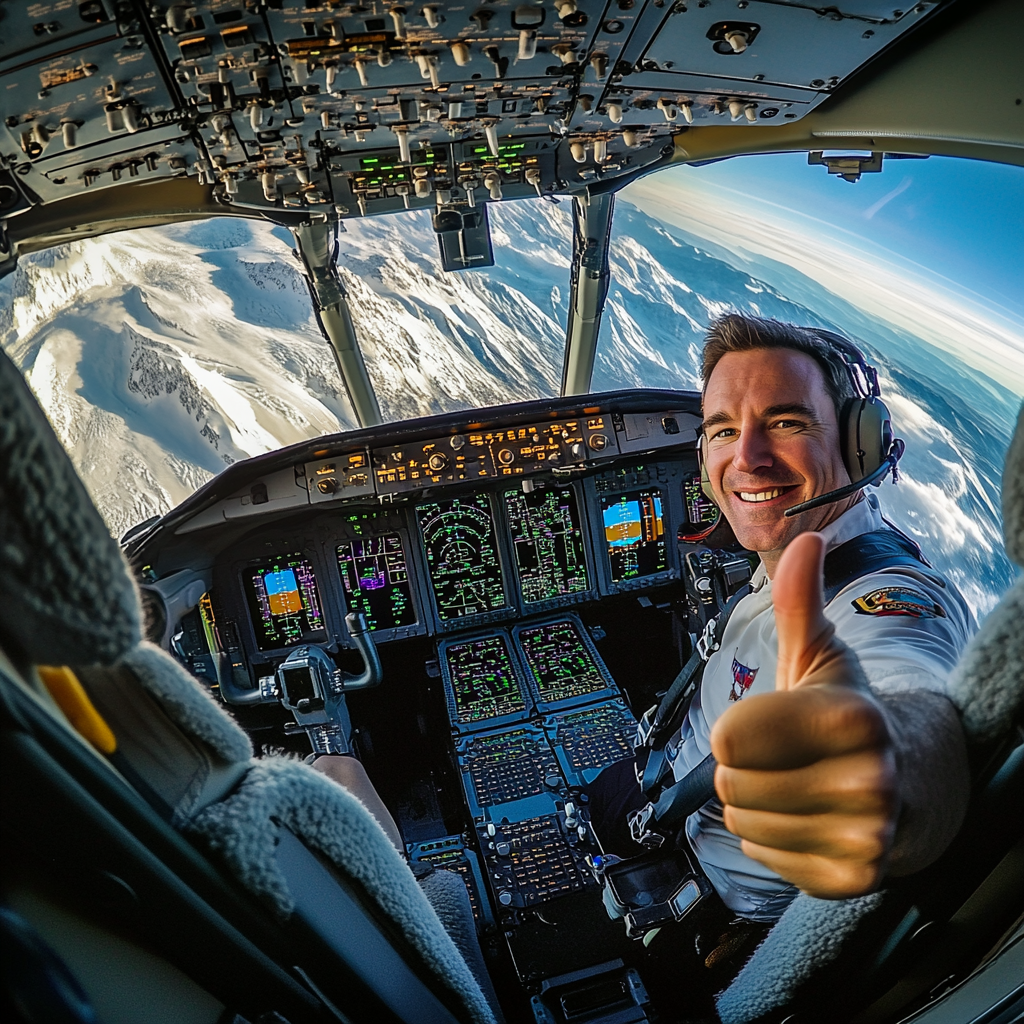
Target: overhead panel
column 296, row 106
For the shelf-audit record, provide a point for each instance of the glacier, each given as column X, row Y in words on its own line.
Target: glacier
column 162, row 355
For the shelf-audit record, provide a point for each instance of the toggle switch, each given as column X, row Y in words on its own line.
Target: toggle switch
column 614, row 109
column 398, row 18
column 491, row 131
column 737, row 39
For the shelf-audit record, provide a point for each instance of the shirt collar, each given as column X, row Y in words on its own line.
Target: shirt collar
column 864, row 517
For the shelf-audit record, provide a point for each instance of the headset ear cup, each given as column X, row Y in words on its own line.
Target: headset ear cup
column 705, row 480
column 865, row 436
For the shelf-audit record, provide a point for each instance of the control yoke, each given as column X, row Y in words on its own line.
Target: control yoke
column 313, row 688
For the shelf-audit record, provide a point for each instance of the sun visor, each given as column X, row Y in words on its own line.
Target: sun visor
column 68, row 598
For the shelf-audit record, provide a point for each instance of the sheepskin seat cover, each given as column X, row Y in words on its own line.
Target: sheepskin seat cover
column 988, row 687
column 70, row 598
column 281, row 793
column 78, row 606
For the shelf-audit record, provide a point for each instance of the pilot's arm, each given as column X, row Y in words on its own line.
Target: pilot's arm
column 828, row 784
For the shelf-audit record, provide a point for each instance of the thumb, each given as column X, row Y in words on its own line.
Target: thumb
column 803, row 631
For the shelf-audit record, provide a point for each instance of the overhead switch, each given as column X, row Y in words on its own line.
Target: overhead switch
column 737, row 40
column 398, row 17
column 461, row 54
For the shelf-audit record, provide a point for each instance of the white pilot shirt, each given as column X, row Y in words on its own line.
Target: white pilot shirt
column 906, row 626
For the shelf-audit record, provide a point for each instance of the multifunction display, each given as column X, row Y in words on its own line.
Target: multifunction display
column 559, row 661
column 284, row 602
column 462, row 556
column 547, row 541
column 483, row 681
column 634, row 531
column 375, row 575
column 702, row 514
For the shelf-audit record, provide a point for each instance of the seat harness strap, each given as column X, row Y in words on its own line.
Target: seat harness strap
column 669, row 806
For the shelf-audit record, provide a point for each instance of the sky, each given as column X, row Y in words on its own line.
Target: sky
column 934, row 246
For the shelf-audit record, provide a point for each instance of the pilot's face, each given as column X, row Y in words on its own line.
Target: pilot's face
column 772, row 442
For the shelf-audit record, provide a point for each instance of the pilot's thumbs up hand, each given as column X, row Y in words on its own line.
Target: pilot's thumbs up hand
column 807, row 773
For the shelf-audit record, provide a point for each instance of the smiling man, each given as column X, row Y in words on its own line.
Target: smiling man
column 840, row 758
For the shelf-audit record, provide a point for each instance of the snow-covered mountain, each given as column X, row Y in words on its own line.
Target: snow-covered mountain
column 164, row 354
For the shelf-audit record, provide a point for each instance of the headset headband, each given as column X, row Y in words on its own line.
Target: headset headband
column 863, row 376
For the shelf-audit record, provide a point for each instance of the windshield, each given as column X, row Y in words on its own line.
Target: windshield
column 162, row 355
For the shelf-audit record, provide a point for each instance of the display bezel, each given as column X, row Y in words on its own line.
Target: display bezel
column 609, row 691
column 661, row 473
column 243, row 569
column 500, row 528
column 586, row 531
column 340, row 530
column 487, row 724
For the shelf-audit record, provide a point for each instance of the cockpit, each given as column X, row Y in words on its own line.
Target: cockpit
column 475, row 607
column 469, row 564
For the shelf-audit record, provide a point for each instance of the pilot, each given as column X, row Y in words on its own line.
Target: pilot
column 840, row 759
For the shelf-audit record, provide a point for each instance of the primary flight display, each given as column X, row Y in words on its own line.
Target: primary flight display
column 284, row 602
column 634, row 530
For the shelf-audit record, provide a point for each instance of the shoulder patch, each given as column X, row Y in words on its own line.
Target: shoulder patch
column 898, row 601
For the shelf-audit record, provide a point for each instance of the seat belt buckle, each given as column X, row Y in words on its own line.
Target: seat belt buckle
column 640, row 830
column 708, row 642
column 644, row 728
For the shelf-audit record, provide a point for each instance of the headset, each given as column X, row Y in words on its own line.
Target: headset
column 867, row 445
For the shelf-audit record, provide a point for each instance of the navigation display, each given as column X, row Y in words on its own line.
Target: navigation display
column 375, row 576
column 462, row 556
column 634, row 533
column 561, row 665
column 483, row 682
column 284, row 602
column 548, row 543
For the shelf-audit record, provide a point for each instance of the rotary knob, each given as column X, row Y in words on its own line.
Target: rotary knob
column 505, row 898
column 438, row 461
column 457, row 442
column 598, row 442
column 506, row 456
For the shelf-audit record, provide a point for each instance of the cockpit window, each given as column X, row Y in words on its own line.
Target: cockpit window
column 919, row 263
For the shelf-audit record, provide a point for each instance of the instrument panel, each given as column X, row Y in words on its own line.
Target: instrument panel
column 451, row 564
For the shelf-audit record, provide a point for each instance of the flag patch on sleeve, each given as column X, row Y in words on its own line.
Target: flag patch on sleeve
column 898, row 601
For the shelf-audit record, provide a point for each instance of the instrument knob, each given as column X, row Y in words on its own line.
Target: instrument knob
column 506, row 456
column 437, row 461
column 457, row 442
column 505, row 898
column 598, row 442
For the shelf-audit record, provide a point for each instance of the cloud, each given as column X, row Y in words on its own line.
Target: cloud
column 888, row 197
